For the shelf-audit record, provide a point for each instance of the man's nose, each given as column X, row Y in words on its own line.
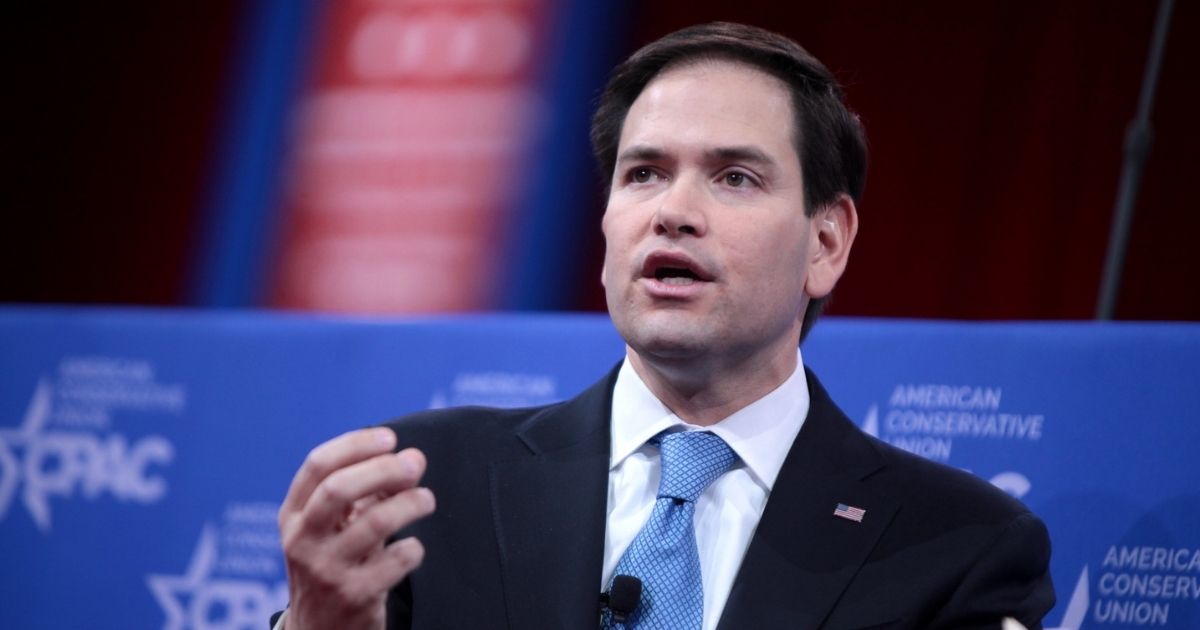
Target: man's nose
column 681, row 210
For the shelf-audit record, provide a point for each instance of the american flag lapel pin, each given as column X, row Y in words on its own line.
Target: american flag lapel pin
column 849, row 512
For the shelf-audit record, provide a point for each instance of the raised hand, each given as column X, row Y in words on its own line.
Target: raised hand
column 348, row 497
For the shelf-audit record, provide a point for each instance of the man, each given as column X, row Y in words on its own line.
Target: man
column 735, row 171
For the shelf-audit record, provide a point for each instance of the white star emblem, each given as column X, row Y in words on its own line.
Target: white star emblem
column 171, row 590
column 10, row 467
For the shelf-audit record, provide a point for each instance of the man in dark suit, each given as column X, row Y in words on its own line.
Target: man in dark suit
column 735, row 172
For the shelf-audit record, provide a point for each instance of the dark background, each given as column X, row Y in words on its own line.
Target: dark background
column 995, row 128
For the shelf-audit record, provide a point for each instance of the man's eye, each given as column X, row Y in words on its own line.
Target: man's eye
column 640, row 175
column 736, row 179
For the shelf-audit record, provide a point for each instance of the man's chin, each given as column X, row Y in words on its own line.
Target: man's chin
column 667, row 340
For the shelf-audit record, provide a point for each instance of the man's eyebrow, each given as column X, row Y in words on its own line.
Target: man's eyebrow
column 740, row 154
column 746, row 153
column 641, row 153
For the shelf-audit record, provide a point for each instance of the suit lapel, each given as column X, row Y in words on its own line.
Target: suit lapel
column 802, row 556
column 549, row 509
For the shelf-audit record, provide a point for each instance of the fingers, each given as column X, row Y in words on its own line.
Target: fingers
column 382, row 519
column 334, row 455
column 397, row 561
column 383, row 475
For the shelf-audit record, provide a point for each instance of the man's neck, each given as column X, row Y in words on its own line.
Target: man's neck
column 705, row 392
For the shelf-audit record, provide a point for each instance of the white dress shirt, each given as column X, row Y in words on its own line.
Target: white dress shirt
column 728, row 511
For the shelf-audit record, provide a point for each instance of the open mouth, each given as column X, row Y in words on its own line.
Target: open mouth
column 674, row 269
column 675, row 275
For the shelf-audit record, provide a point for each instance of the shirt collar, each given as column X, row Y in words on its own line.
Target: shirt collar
column 761, row 433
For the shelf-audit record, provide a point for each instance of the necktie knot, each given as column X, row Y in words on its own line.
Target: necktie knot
column 691, row 460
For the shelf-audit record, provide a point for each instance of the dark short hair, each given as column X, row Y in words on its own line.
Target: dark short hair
column 829, row 138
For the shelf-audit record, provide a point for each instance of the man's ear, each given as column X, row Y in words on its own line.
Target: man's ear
column 834, row 227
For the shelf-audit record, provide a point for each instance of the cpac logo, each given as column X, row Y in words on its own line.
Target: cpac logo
column 195, row 601
column 60, row 463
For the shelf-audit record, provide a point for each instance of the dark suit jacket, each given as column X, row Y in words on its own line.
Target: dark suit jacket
column 518, row 537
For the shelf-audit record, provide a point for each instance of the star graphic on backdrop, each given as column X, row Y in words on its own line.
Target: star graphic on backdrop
column 172, row 591
column 10, row 464
column 870, row 425
column 1077, row 607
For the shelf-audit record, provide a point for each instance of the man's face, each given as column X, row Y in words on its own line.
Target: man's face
column 707, row 243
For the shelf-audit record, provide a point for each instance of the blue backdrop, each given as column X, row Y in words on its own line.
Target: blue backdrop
column 143, row 454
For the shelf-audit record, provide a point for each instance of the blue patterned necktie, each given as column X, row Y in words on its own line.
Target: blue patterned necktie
column 663, row 555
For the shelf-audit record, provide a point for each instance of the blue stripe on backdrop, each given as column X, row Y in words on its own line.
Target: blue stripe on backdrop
column 551, row 217
column 238, row 230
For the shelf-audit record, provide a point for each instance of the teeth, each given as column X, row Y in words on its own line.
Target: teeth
column 678, row 280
